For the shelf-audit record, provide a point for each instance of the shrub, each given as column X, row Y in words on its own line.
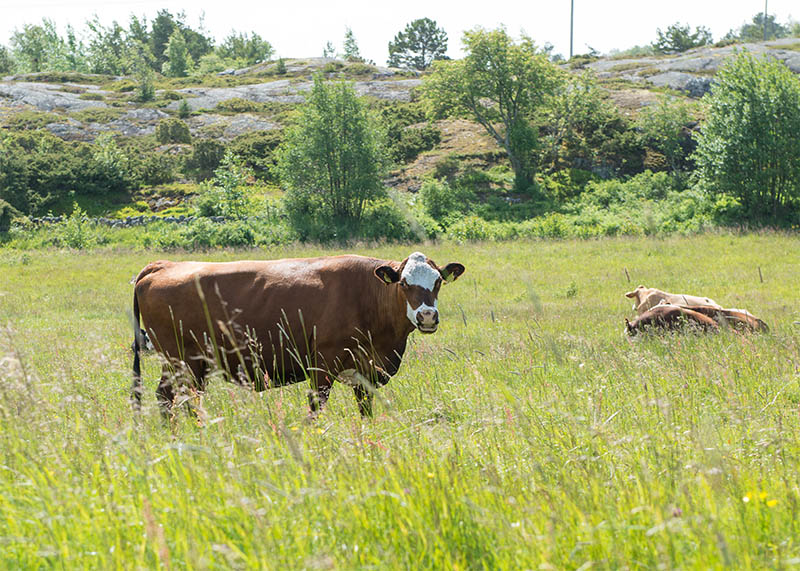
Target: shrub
column 748, row 147
column 257, row 151
column 240, row 105
column 172, row 130
column 207, row 154
column 441, row 201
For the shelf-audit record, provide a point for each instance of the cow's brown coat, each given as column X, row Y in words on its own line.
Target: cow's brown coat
column 314, row 318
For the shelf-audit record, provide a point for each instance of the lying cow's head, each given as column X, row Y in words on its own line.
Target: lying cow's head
column 419, row 280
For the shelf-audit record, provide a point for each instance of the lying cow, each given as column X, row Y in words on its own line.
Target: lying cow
column 273, row 323
column 737, row 318
column 669, row 317
column 646, row 298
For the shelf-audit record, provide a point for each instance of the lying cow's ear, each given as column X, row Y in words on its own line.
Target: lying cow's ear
column 451, row 271
column 387, row 274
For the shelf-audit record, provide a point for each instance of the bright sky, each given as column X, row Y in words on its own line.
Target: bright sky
column 301, row 28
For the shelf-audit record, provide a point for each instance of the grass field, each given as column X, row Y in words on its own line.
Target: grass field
column 527, row 433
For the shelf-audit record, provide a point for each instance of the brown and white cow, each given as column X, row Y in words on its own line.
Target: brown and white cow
column 645, row 298
column 667, row 317
column 273, row 323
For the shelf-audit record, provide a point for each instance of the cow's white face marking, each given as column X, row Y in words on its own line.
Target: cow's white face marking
column 419, row 272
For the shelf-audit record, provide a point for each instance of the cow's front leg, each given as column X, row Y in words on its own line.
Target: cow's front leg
column 318, row 396
column 364, row 394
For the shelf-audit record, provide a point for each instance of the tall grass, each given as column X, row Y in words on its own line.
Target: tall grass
column 526, row 433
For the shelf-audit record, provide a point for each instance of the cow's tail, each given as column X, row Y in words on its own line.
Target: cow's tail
column 136, row 388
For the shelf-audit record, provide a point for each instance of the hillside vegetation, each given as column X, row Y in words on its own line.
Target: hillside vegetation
column 603, row 145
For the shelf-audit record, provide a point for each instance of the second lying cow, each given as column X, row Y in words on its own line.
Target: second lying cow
column 666, row 316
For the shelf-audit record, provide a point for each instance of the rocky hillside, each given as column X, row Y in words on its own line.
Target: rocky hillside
column 81, row 107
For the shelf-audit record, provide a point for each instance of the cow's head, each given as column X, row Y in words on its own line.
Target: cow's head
column 419, row 280
column 637, row 293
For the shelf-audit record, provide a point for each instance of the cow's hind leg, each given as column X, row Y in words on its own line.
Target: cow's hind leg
column 181, row 384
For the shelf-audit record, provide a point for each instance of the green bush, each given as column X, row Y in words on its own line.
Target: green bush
column 207, row 154
column 173, row 130
column 7, row 213
column 239, row 105
column 257, row 151
column 749, row 146
column 442, row 202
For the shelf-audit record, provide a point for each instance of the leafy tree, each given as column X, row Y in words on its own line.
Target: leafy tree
column 247, row 49
column 6, row 61
column 581, row 127
column 141, row 61
column 226, row 195
column 137, row 30
column 679, row 38
column 753, row 31
column 351, row 51
column 74, row 52
column 664, row 128
column 39, row 48
column 418, row 45
column 332, row 159
column 108, row 48
column 179, row 61
column 162, row 28
column 500, row 84
column 748, row 147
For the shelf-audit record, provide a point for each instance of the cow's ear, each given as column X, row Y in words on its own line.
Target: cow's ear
column 387, row 274
column 451, row 271
column 631, row 294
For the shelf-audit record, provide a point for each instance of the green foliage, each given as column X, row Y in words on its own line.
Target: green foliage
column 748, row 146
column 173, row 130
column 39, row 48
column 418, row 45
column 76, row 231
column 256, row 149
column 664, row 127
column 7, row 64
column 350, row 47
column 280, row 67
column 499, row 82
column 332, row 160
column 142, row 61
column 678, row 38
column 246, row 49
column 108, row 51
column 98, row 114
column 7, row 213
column 178, row 60
column 25, row 120
column 184, row 111
column 207, row 154
column 583, row 129
column 226, row 195
column 443, row 202
column 240, row 105
column 753, row 31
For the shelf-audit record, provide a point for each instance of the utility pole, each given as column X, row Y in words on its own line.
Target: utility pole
column 572, row 20
column 765, row 20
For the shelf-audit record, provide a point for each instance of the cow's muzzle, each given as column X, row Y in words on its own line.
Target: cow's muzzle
column 427, row 320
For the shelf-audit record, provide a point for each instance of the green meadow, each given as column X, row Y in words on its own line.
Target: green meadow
column 527, row 433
